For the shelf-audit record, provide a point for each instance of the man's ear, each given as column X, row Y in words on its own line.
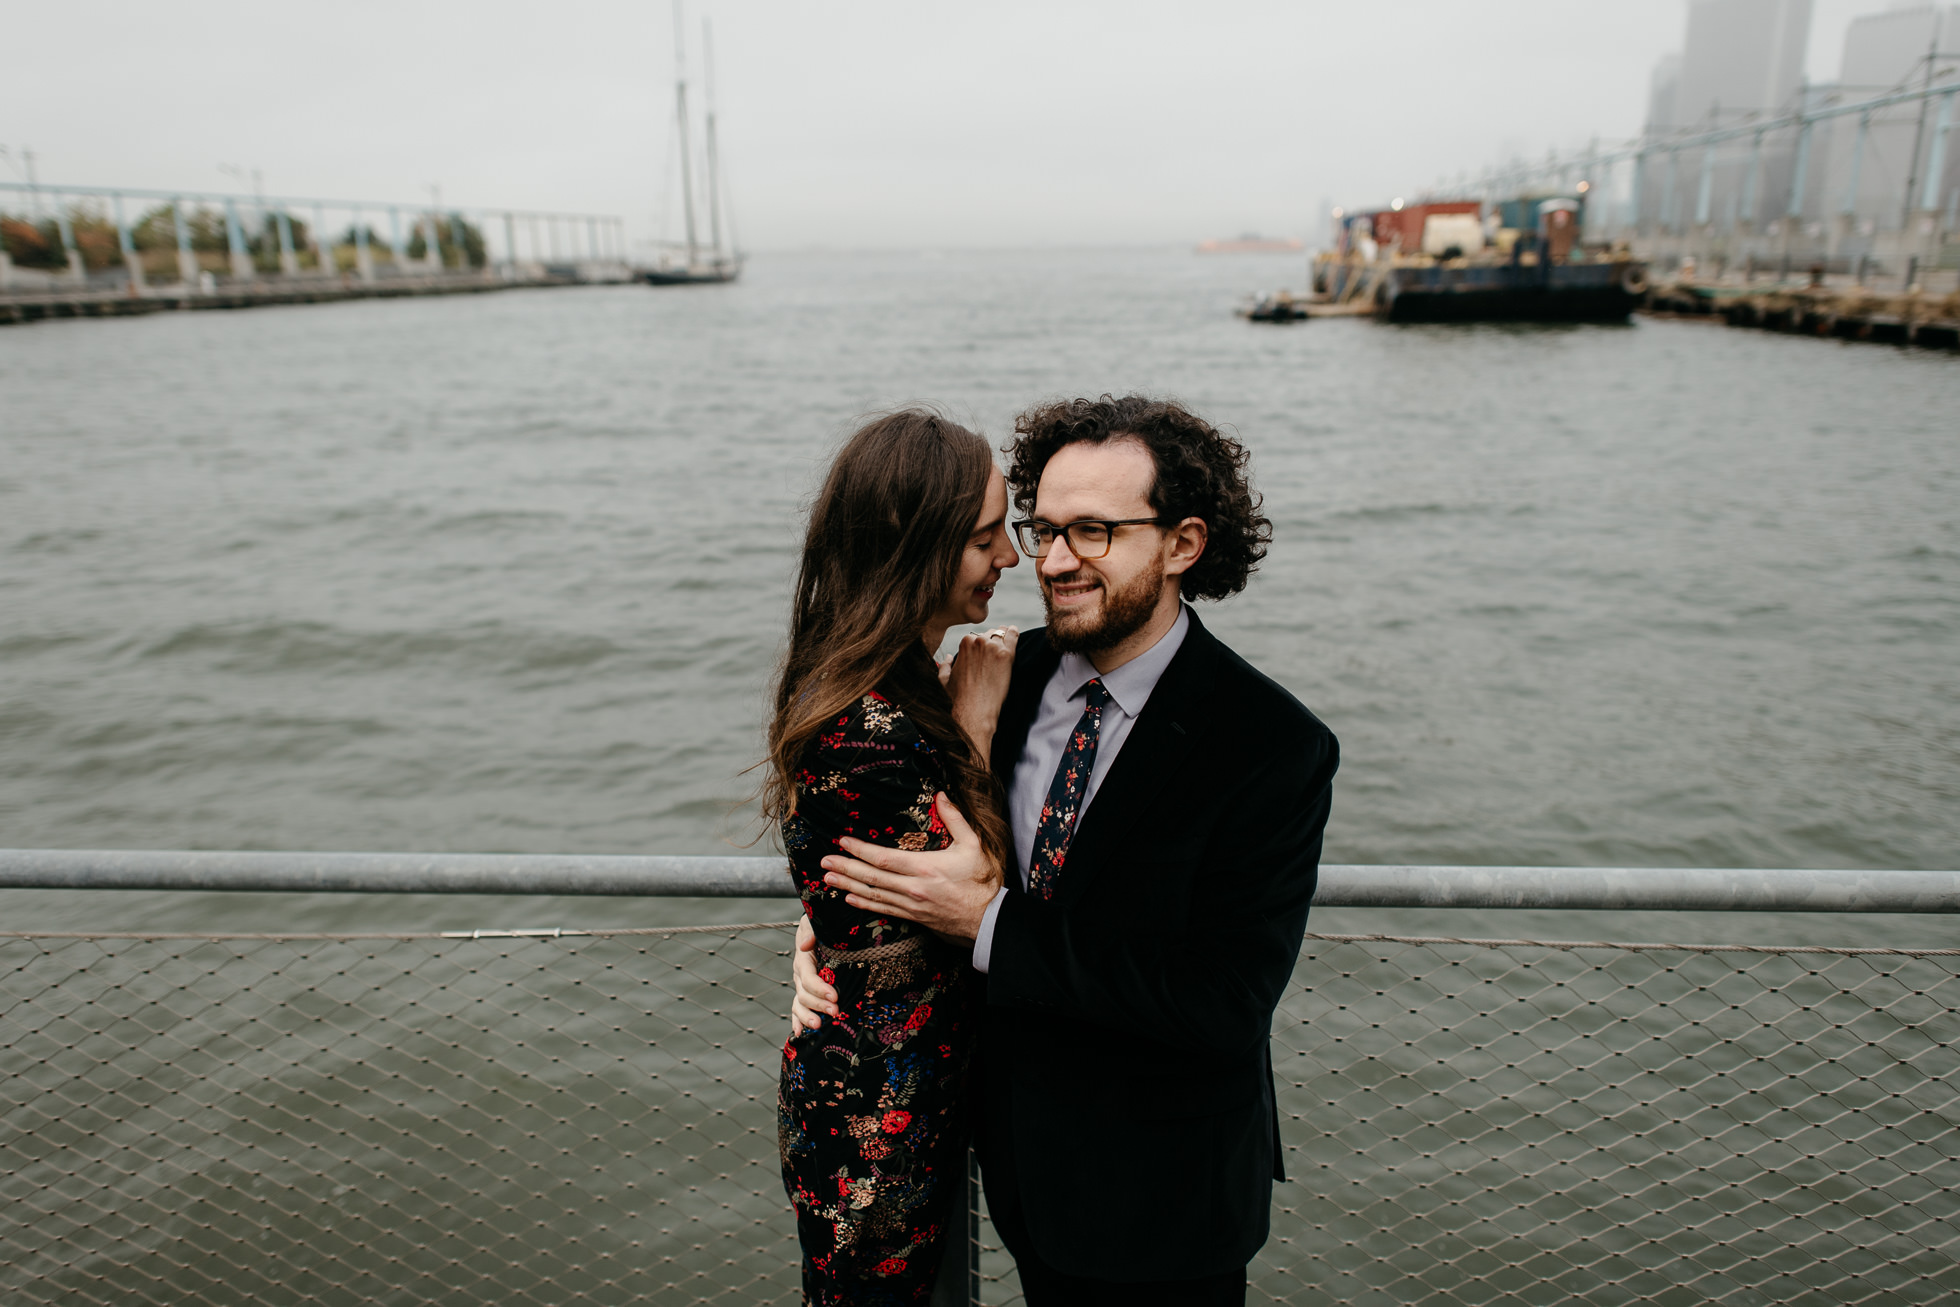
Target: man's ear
column 1187, row 543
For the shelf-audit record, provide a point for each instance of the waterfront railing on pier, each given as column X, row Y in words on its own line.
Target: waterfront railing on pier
column 557, row 1116
column 519, row 244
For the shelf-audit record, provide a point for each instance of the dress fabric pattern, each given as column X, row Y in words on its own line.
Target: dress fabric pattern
column 871, row 1109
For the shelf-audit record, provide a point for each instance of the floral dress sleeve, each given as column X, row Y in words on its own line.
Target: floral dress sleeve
column 873, row 776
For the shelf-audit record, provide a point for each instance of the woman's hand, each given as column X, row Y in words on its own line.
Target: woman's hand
column 977, row 679
column 813, row 998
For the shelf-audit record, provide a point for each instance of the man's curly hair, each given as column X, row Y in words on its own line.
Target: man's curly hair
column 1201, row 472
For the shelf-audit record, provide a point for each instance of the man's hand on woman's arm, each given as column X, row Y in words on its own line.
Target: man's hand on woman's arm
column 947, row 891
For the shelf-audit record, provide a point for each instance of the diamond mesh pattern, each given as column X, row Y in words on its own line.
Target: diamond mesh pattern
column 589, row 1118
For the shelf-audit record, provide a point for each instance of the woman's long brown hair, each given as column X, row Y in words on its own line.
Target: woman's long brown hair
column 880, row 557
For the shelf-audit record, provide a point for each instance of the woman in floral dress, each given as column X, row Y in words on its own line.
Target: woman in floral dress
column 872, row 739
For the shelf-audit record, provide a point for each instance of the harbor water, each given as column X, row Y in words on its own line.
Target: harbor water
column 509, row 572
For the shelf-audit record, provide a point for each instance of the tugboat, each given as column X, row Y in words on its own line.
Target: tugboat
column 714, row 264
column 1280, row 306
column 1522, row 261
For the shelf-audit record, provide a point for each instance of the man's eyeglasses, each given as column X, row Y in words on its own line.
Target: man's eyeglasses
column 1086, row 540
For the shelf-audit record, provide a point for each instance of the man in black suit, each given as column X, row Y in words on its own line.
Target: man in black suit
column 1167, row 803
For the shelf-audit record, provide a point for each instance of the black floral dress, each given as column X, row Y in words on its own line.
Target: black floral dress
column 871, row 1109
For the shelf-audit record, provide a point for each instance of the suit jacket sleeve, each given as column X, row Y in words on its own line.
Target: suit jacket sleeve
column 1211, row 984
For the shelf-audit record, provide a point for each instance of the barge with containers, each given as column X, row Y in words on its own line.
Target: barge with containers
column 1522, row 260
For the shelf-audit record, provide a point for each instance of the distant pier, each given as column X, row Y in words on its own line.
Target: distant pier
column 120, row 303
column 87, row 252
column 1843, row 312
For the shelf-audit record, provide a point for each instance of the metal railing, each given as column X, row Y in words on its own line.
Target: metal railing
column 587, row 1116
column 1341, row 885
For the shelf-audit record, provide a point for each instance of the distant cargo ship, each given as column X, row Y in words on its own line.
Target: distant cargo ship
column 1463, row 261
column 1253, row 244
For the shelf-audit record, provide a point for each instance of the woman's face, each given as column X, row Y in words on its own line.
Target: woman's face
column 989, row 551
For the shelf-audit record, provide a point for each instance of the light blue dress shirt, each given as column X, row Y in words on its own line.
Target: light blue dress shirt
column 1062, row 701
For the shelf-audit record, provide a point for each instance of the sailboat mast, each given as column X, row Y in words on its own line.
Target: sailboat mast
column 680, row 114
column 714, row 169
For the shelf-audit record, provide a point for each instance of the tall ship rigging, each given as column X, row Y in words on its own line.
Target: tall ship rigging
column 714, row 263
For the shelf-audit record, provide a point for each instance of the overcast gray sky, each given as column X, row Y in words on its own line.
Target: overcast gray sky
column 846, row 123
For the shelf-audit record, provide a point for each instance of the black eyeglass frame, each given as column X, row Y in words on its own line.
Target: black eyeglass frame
column 1066, row 532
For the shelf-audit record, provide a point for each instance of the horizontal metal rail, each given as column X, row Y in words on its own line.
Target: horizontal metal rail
column 1758, row 124
column 1677, row 889
column 271, row 202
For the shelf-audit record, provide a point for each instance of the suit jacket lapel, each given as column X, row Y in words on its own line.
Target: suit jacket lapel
column 1034, row 662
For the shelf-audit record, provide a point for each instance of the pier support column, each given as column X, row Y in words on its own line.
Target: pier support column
column 1847, row 225
column 288, row 256
column 187, row 268
column 363, row 256
column 77, row 270
column 1668, row 188
column 1929, row 198
column 510, row 246
column 132, row 261
column 1751, row 212
column 1799, row 179
column 1634, row 196
column 433, row 253
column 241, row 256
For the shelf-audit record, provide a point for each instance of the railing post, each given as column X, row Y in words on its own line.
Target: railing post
column 187, row 269
column 972, row 1229
column 1707, row 189
column 395, row 239
column 1751, row 211
column 323, row 243
column 1929, row 199
column 1634, row 197
column 132, row 262
column 288, row 257
column 1668, row 187
column 241, row 254
column 958, row 1281
column 363, row 256
column 1800, row 175
column 77, row 270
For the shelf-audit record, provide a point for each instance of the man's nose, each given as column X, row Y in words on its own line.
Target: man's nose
column 1060, row 559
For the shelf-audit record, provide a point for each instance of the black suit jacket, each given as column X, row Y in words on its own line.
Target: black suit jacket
column 1125, row 1043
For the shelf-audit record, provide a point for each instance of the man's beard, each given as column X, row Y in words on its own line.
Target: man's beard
column 1121, row 615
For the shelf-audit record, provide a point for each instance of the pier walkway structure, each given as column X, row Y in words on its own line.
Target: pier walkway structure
column 540, row 1115
column 280, row 249
column 1656, row 193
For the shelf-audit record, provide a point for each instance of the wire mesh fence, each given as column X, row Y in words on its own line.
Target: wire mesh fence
column 590, row 1118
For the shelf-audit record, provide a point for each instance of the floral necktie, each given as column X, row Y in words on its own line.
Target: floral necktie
column 1065, row 792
